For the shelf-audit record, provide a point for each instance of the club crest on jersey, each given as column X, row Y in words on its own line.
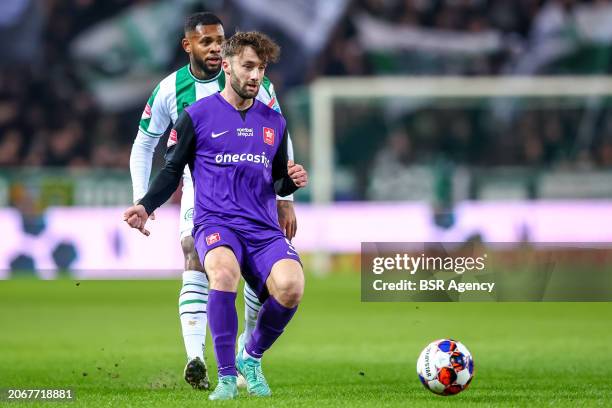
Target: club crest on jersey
column 172, row 138
column 268, row 136
column 146, row 114
column 212, row 238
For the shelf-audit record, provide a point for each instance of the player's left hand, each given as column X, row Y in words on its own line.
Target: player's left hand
column 136, row 216
column 286, row 218
column 297, row 173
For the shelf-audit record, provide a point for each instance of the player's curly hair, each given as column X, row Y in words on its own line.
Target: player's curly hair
column 265, row 48
column 203, row 18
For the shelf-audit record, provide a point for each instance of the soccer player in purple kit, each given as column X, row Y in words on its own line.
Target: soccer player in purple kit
column 236, row 148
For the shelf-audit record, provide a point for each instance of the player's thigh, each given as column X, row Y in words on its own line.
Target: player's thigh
column 222, row 268
column 286, row 281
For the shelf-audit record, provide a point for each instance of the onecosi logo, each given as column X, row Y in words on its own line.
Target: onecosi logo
column 243, row 157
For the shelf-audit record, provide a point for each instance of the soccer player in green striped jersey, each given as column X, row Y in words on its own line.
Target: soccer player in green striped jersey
column 202, row 77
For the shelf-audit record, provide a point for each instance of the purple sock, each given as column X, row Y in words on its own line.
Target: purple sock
column 272, row 320
column 223, row 323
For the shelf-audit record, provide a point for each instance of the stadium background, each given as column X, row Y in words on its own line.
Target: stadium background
column 74, row 77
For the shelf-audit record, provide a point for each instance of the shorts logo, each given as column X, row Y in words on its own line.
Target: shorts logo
column 212, row 238
column 268, row 136
column 189, row 214
column 173, row 138
column 291, row 250
column 146, row 114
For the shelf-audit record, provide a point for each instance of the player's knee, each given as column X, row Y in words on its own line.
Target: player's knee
column 290, row 290
column 223, row 278
column 221, row 273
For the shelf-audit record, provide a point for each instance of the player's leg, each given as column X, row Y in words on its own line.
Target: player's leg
column 224, row 273
column 285, row 284
column 251, row 311
column 193, row 299
column 193, row 296
column 286, row 287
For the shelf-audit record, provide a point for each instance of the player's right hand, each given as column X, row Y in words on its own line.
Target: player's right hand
column 151, row 216
column 136, row 217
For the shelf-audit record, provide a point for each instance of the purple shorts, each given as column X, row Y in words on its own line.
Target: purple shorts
column 256, row 251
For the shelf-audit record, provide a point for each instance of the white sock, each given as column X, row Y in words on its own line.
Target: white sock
column 251, row 311
column 192, row 312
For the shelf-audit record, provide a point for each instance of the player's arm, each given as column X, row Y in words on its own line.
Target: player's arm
column 153, row 123
column 287, row 175
column 274, row 104
column 287, row 220
column 141, row 159
column 166, row 182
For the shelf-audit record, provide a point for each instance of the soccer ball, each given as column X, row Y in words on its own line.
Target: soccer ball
column 445, row 367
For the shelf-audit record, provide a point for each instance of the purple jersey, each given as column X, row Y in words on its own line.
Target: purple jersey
column 232, row 170
column 238, row 160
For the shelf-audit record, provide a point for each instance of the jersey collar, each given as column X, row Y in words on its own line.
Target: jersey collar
column 215, row 78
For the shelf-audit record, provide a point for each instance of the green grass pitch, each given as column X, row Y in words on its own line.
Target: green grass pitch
column 118, row 343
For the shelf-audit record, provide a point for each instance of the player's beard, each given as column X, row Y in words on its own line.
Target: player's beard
column 203, row 66
column 242, row 90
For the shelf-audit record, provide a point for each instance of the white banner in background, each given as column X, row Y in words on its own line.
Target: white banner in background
column 107, row 248
column 379, row 35
column 308, row 22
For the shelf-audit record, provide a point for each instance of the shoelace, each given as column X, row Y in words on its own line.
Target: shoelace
column 226, row 381
column 254, row 373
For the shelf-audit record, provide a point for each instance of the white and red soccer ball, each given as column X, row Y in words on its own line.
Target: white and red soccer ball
column 445, row 367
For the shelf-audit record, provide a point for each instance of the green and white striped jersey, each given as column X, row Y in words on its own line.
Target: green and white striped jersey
column 179, row 90
column 168, row 100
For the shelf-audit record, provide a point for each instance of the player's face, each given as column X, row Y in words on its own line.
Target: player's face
column 204, row 46
column 247, row 72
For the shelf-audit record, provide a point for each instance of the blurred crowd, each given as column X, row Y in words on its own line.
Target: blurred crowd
column 49, row 117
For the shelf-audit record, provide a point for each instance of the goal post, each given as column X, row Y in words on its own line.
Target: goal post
column 325, row 91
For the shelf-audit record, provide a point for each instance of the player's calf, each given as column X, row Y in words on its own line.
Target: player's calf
column 286, row 286
column 192, row 307
column 192, row 261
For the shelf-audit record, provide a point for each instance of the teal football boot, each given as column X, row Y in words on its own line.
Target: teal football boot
column 226, row 389
column 250, row 369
